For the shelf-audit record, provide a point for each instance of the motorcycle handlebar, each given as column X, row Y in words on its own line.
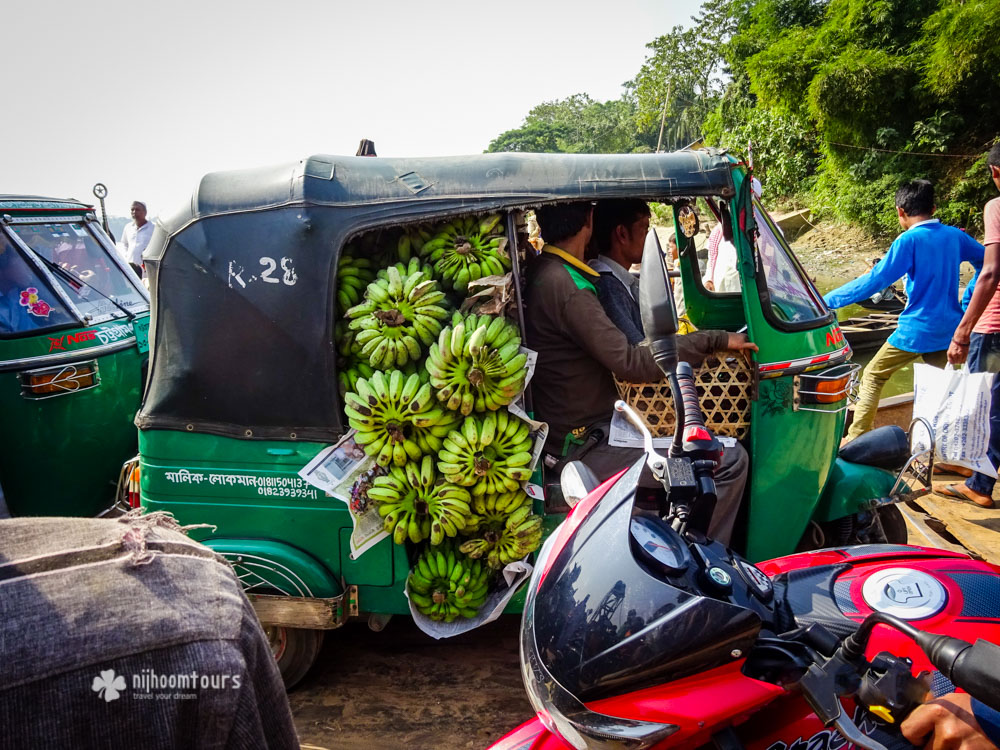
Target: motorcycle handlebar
column 689, row 396
column 973, row 667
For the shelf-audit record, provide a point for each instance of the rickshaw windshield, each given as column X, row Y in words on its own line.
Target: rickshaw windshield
column 793, row 297
column 27, row 303
column 71, row 246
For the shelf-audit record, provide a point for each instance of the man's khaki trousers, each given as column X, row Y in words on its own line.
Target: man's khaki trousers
column 886, row 361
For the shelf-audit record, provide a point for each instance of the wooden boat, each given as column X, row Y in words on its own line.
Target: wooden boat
column 891, row 305
column 869, row 331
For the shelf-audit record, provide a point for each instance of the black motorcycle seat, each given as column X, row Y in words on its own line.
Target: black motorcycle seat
column 884, row 447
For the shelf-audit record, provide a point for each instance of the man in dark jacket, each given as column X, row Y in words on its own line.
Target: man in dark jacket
column 580, row 351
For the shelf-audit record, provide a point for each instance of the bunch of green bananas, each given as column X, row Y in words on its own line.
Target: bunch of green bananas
column 412, row 266
column 349, row 376
column 385, row 409
column 399, row 311
column 520, row 535
column 353, row 277
column 475, row 364
column 444, row 584
column 466, row 249
column 490, row 512
column 430, row 439
column 414, row 505
column 489, row 454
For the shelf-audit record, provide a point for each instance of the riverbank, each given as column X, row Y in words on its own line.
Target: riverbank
column 835, row 253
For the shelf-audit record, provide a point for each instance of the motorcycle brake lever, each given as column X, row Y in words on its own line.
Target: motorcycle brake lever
column 850, row 732
column 822, row 686
column 656, row 463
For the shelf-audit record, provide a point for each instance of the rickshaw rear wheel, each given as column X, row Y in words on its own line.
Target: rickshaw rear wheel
column 295, row 650
column 885, row 526
column 893, row 524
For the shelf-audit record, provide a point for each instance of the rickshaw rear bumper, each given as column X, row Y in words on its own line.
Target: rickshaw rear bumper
column 313, row 613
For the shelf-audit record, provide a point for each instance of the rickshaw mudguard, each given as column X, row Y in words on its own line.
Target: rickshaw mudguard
column 270, row 566
column 851, row 489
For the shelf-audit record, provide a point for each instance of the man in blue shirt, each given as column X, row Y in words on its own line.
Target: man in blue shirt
column 929, row 254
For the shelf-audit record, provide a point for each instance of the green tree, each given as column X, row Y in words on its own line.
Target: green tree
column 679, row 84
column 577, row 124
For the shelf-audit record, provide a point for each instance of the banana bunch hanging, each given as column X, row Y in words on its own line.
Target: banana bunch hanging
column 386, row 409
column 489, row 454
column 475, row 365
column 444, row 584
column 518, row 536
column 414, row 505
column 466, row 249
column 400, row 312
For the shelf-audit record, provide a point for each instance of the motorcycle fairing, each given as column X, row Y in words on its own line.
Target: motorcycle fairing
column 620, row 627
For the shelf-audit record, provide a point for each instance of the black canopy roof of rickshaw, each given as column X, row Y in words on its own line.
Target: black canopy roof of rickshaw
column 503, row 179
column 243, row 277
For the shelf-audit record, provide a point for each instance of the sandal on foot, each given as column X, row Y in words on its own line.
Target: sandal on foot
column 940, row 468
column 953, row 491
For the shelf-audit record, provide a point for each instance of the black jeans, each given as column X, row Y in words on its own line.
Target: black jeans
column 984, row 356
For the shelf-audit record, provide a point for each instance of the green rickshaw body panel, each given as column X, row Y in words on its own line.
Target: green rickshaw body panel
column 267, row 565
column 250, row 491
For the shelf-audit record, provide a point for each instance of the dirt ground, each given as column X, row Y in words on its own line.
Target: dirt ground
column 836, row 252
column 401, row 689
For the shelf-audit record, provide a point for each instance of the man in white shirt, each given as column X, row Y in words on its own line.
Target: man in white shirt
column 135, row 237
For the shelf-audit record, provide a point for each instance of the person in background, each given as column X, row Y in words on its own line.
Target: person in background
column 929, row 254
column 135, row 237
column 977, row 339
column 580, row 351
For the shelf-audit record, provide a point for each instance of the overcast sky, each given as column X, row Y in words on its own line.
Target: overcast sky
column 148, row 97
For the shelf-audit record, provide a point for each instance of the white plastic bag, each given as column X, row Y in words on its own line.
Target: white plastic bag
column 957, row 404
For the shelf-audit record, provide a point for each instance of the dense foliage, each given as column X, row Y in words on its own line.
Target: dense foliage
column 843, row 100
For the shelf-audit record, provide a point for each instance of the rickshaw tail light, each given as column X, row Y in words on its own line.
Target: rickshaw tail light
column 831, row 391
column 59, row 381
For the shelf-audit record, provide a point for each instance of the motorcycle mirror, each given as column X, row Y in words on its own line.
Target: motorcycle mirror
column 577, row 480
column 656, row 304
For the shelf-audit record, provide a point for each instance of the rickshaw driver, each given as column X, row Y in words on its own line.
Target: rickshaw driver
column 580, row 349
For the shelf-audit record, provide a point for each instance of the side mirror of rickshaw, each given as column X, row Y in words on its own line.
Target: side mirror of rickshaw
column 656, row 304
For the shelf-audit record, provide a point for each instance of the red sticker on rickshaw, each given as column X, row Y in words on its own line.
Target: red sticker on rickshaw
column 36, row 305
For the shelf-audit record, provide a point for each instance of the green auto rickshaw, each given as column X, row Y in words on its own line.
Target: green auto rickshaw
column 243, row 386
column 73, row 355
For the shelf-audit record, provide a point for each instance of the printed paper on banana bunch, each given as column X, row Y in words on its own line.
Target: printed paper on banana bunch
column 514, row 574
column 344, row 471
column 539, row 429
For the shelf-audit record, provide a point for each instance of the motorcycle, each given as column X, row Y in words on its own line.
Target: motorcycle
column 640, row 632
